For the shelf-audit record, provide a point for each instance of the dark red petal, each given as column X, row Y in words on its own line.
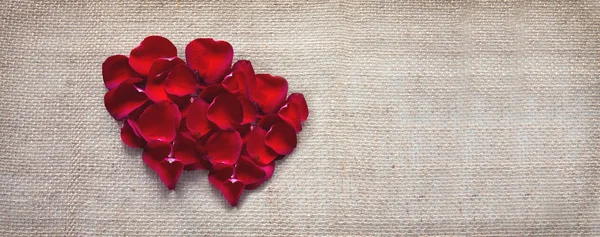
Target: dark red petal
column 209, row 93
column 212, row 59
column 116, row 70
column 241, row 80
column 232, row 190
column 269, row 121
column 155, row 87
column 130, row 137
column 268, row 169
column 182, row 103
column 155, row 152
column 290, row 113
column 123, row 100
column 244, row 130
column 270, row 92
column 150, row 49
column 298, row 99
column 281, row 138
column 196, row 121
column 225, row 111
column 220, row 173
column 248, row 172
column 184, row 149
column 181, row 81
column 224, row 147
column 257, row 149
column 169, row 170
column 248, row 109
column 159, row 122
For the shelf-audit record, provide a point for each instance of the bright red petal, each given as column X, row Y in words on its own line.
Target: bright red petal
column 268, row 169
column 224, row 147
column 281, row 138
column 130, row 137
column 270, row 92
column 220, row 173
column 155, row 87
column 184, row 149
column 123, row 100
column 212, row 59
column 159, row 122
column 181, row 81
column 248, row 172
column 290, row 113
column 232, row 190
column 248, row 109
column 257, row 149
column 241, row 80
column 169, row 170
column 225, row 111
column 116, row 70
column 196, row 121
column 298, row 100
column 150, row 49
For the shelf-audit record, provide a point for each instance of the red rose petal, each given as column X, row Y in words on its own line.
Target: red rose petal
column 298, row 99
column 209, row 93
column 241, row 80
column 225, row 111
column 257, row 148
column 130, row 137
column 169, row 170
column 155, row 87
column 135, row 115
column 268, row 169
column 269, row 121
column 155, row 152
column 220, row 173
column 181, row 81
column 270, row 92
column 196, row 121
column 248, row 172
column 290, row 113
column 123, row 100
column 150, row 49
column 248, row 110
column 184, row 149
column 212, row 59
column 232, row 190
column 224, row 147
column 116, row 70
column 159, row 122
column 281, row 138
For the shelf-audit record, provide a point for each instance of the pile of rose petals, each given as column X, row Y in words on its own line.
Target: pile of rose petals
column 202, row 113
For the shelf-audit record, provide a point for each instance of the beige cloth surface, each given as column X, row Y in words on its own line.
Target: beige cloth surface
column 427, row 118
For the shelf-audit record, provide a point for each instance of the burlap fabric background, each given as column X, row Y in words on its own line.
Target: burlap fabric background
column 427, row 118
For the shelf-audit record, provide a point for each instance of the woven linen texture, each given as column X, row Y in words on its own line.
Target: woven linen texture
column 427, row 118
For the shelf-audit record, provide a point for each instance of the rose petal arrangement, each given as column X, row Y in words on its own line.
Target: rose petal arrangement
column 202, row 113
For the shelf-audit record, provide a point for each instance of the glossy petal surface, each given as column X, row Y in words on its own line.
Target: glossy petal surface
column 212, row 59
column 160, row 122
column 241, row 80
column 281, row 138
column 225, row 111
column 155, row 87
column 130, row 137
column 181, row 81
column 257, row 148
column 270, row 92
column 150, row 49
column 224, row 147
column 116, row 70
column 123, row 100
column 196, row 121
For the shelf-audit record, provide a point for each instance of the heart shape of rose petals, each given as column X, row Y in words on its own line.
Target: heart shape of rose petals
column 203, row 113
